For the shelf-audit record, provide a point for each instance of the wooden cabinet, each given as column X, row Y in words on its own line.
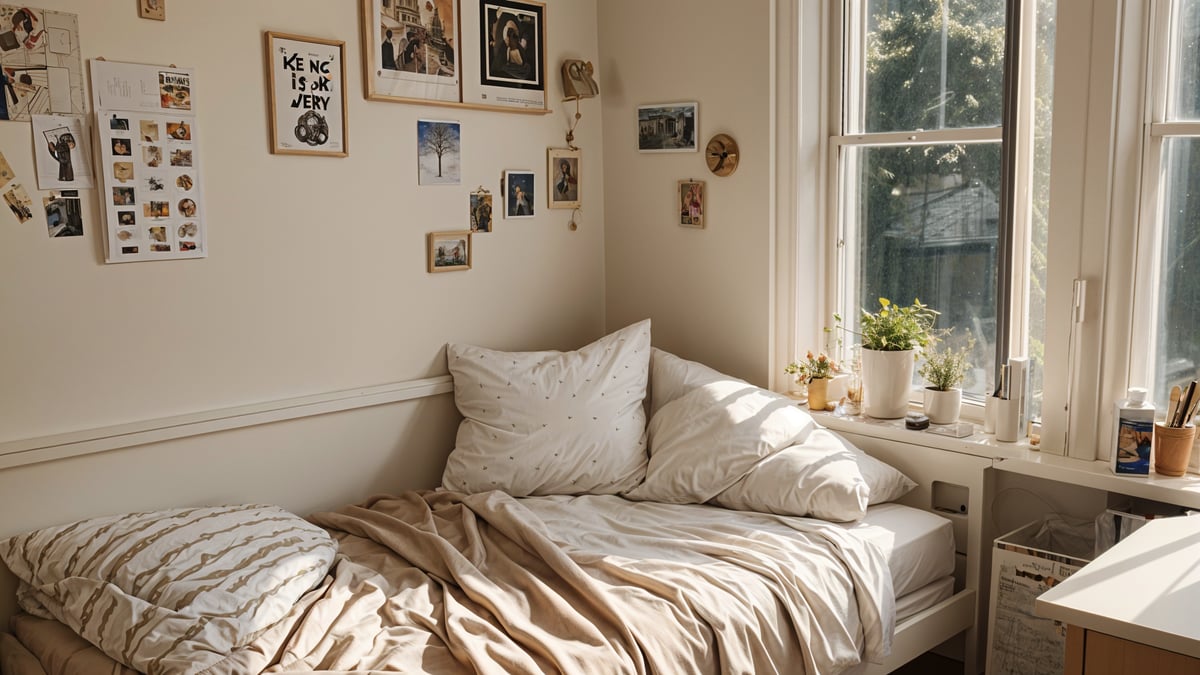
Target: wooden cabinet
column 1093, row 653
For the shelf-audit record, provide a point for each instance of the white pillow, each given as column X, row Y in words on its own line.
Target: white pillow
column 170, row 591
column 542, row 423
column 672, row 377
column 705, row 441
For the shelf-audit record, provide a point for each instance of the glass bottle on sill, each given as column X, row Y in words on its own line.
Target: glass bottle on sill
column 854, row 385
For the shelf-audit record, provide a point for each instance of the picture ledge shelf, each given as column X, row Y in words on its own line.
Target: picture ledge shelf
column 103, row 439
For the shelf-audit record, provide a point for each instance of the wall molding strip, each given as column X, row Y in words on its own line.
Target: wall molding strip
column 103, row 439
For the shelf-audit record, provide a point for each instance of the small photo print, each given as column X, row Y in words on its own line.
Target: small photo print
column 667, row 127
column 123, row 196
column 449, row 251
column 175, row 90
column 181, row 158
column 118, row 123
column 124, row 235
column 129, row 250
column 155, row 184
column 19, row 202
column 439, row 152
column 187, row 230
column 187, row 208
column 149, row 131
column 64, row 216
column 180, row 131
column 121, row 147
column 160, row 248
column 691, row 203
column 123, row 171
column 152, row 156
column 187, row 246
column 6, row 172
column 126, row 218
column 156, row 209
column 562, row 167
column 158, row 234
column 184, row 182
column 481, row 211
column 518, row 194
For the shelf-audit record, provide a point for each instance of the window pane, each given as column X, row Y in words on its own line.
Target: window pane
column 924, row 72
column 924, row 224
column 1185, row 71
column 1177, row 350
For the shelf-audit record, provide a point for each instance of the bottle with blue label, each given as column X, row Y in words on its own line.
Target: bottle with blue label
column 1132, row 434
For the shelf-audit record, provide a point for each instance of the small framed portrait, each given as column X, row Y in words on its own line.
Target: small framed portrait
column 518, row 194
column 153, row 9
column 668, row 127
column 449, row 251
column 481, row 210
column 562, row 173
column 691, row 203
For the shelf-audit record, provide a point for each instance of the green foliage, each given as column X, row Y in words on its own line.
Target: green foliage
column 894, row 328
column 811, row 368
column 945, row 367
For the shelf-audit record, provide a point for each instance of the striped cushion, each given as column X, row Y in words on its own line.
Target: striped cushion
column 170, row 591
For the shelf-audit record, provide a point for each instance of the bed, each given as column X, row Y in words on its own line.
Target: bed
column 728, row 533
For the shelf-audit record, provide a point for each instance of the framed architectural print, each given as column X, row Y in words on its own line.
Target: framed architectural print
column 562, row 172
column 449, row 251
column 308, row 95
column 445, row 52
column 668, row 127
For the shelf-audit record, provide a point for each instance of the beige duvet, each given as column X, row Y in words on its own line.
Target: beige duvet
column 439, row 582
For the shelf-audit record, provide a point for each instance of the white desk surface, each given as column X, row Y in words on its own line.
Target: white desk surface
column 1145, row 589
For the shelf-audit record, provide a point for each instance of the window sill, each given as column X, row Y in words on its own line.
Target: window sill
column 1021, row 458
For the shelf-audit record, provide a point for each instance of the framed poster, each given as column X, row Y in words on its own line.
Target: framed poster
column 308, row 95
column 668, row 127
column 444, row 52
column 562, row 173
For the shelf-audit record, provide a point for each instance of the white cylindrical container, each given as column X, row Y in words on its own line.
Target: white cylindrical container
column 1133, row 431
column 1008, row 420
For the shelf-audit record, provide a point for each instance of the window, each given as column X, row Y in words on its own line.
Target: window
column 1169, row 260
column 919, row 149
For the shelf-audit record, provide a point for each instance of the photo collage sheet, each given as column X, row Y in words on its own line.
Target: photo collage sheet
column 151, row 185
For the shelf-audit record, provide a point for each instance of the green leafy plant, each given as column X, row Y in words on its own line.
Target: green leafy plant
column 811, row 368
column 893, row 328
column 945, row 367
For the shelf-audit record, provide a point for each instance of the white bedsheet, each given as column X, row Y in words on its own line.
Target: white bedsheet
column 918, row 545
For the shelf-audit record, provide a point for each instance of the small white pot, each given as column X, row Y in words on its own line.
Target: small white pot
column 942, row 407
column 887, row 379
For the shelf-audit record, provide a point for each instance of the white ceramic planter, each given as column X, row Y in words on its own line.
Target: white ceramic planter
column 942, row 407
column 887, row 380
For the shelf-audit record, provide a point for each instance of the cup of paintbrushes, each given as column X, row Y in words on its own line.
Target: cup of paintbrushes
column 1172, row 448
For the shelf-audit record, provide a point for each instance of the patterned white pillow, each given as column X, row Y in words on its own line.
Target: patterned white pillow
column 543, row 423
column 170, row 591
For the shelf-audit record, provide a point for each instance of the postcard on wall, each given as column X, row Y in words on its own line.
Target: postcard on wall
column 518, row 194
column 41, row 71
column 6, row 171
column 562, row 172
column 411, row 50
column 481, row 210
column 19, row 202
column 150, row 165
column 668, row 127
column 60, row 147
column 308, row 95
column 439, row 152
column 64, row 215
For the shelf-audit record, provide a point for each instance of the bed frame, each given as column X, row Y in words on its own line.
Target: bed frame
column 322, row 456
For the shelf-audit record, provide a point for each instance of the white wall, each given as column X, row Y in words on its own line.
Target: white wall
column 316, row 279
column 708, row 291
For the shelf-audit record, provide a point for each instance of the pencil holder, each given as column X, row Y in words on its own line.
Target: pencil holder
column 1172, row 449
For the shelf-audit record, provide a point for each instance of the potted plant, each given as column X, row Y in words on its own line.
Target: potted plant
column 944, row 370
column 890, row 338
column 814, row 372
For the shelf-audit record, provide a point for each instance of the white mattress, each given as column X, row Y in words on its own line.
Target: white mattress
column 925, row 596
column 918, row 545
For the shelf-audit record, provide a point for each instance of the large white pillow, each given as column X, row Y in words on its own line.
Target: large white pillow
column 542, row 423
column 672, row 377
column 170, row 591
column 709, row 438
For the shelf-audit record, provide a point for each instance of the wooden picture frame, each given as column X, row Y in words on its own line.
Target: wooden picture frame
column 668, row 127
column 153, row 9
column 307, row 90
column 446, row 254
column 437, row 52
column 563, row 178
column 690, row 197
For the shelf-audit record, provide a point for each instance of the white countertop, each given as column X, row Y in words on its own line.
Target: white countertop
column 1145, row 589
